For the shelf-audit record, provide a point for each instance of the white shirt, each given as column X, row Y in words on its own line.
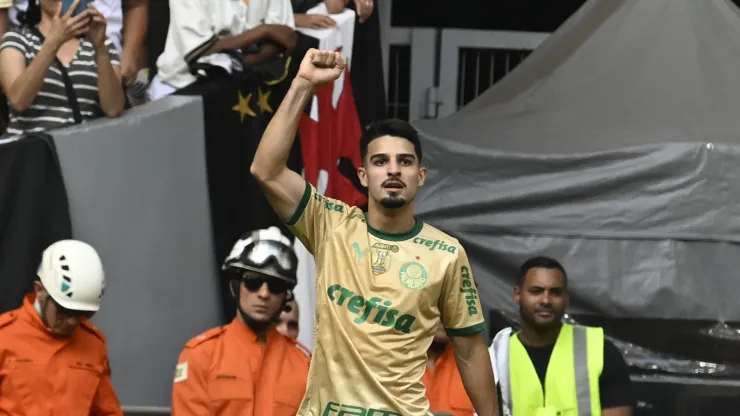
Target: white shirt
column 111, row 9
column 196, row 24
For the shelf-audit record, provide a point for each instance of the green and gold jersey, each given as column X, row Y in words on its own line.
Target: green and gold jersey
column 379, row 298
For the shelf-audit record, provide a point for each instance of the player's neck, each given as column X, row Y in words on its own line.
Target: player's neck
column 391, row 221
column 539, row 338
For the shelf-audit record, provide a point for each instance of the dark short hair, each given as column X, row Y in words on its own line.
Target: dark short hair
column 540, row 262
column 390, row 127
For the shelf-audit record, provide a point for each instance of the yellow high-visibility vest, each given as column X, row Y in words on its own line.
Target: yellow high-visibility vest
column 571, row 381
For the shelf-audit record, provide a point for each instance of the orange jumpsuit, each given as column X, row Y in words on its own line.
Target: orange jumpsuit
column 226, row 371
column 445, row 390
column 44, row 375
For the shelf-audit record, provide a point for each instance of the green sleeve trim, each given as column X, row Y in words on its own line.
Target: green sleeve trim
column 301, row 206
column 471, row 330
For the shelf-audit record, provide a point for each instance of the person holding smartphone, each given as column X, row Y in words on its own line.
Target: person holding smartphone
column 51, row 355
column 59, row 68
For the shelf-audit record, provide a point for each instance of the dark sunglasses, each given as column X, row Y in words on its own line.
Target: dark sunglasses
column 70, row 313
column 274, row 285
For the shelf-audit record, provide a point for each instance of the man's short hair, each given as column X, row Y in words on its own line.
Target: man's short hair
column 541, row 262
column 390, row 127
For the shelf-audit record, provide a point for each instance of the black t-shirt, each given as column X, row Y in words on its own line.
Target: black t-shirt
column 615, row 386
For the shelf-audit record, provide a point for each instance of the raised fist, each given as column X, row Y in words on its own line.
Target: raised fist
column 321, row 67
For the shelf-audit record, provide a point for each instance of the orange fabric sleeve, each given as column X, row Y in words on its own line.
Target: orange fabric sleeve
column 106, row 402
column 190, row 389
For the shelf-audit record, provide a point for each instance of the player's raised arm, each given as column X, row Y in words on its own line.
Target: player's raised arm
column 462, row 316
column 287, row 192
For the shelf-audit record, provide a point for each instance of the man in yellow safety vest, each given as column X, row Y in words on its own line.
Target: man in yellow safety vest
column 549, row 368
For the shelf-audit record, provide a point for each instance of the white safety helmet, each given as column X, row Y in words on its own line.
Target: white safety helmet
column 264, row 251
column 72, row 274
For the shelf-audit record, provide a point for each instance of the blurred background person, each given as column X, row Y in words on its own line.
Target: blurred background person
column 58, row 69
column 289, row 324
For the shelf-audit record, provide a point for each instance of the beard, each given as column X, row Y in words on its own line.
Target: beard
column 538, row 326
column 392, row 202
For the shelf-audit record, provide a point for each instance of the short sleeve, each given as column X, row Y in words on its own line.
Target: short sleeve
column 15, row 40
column 459, row 303
column 615, row 384
column 115, row 59
column 280, row 12
column 315, row 217
column 192, row 27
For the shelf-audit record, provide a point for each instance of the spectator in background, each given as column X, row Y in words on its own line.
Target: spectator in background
column 247, row 367
column 225, row 34
column 58, row 70
column 127, row 22
column 445, row 390
column 316, row 21
column 52, row 359
column 364, row 8
column 289, row 324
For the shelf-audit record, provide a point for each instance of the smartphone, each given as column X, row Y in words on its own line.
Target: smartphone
column 81, row 7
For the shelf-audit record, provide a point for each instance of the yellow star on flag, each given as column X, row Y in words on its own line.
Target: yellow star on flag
column 264, row 101
column 243, row 106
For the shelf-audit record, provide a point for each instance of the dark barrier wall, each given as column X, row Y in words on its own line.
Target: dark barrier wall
column 137, row 192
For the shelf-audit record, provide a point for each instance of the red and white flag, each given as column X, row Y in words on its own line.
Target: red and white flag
column 331, row 131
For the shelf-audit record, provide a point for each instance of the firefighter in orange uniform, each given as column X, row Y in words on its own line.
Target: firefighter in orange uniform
column 52, row 359
column 247, row 368
column 442, row 380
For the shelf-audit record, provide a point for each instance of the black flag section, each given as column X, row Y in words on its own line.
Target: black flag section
column 236, row 112
column 33, row 213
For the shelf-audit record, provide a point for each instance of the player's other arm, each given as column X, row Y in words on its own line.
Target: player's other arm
column 462, row 316
column 471, row 355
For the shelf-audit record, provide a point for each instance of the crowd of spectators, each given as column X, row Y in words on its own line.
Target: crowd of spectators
column 62, row 65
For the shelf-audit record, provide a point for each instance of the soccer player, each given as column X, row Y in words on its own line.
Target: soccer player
column 384, row 278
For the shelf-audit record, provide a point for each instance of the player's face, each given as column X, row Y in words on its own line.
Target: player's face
column 261, row 296
column 542, row 298
column 392, row 172
column 289, row 322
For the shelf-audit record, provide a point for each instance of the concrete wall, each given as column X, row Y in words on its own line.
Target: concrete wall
column 138, row 193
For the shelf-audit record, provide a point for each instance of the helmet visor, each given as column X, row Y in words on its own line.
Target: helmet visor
column 265, row 256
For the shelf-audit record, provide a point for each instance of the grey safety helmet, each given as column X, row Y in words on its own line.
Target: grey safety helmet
column 267, row 252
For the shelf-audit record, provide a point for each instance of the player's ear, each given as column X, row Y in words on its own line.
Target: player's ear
column 362, row 174
column 422, row 176
column 517, row 296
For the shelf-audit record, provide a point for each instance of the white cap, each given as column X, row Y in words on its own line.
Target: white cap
column 72, row 274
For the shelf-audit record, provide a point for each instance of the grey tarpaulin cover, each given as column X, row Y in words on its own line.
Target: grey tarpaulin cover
column 615, row 147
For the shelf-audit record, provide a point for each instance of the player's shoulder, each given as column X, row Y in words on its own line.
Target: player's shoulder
column 206, row 337
column 437, row 241
column 90, row 328
column 8, row 318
